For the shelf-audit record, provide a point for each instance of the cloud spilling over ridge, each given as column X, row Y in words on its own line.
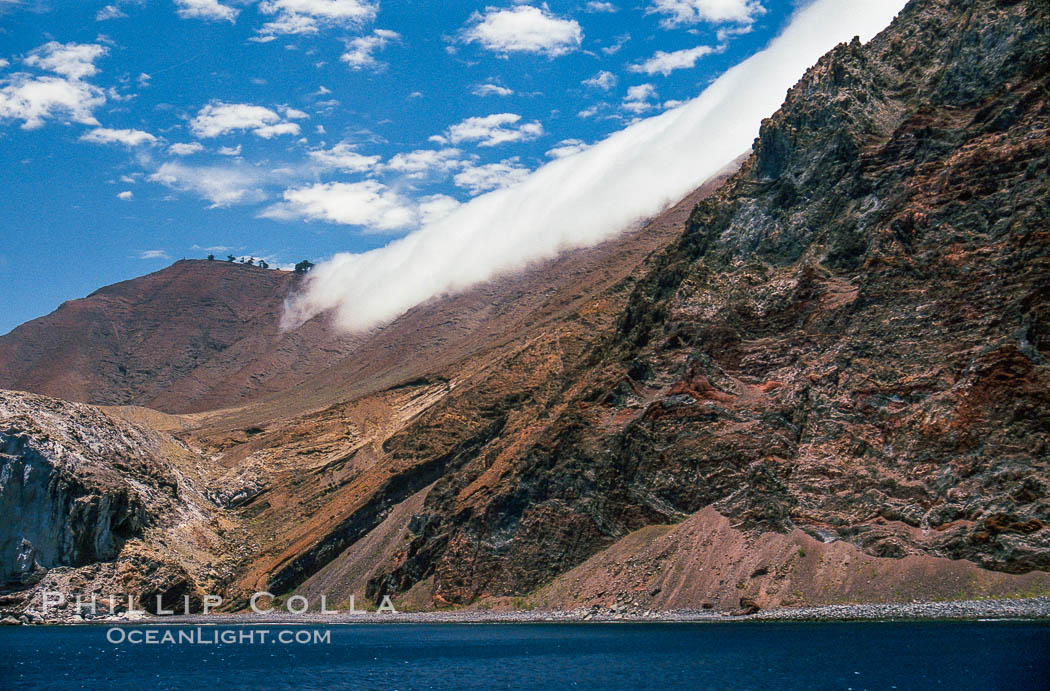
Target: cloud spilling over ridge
column 584, row 198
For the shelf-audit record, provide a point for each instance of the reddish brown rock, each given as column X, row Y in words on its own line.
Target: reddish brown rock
column 832, row 375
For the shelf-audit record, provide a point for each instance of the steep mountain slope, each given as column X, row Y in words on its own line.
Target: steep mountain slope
column 850, row 338
column 831, row 381
column 268, row 469
column 847, row 340
column 328, row 476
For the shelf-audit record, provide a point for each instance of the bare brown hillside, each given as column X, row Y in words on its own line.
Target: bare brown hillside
column 825, row 379
column 189, row 336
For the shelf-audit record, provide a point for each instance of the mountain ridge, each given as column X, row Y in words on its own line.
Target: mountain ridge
column 841, row 350
column 206, row 335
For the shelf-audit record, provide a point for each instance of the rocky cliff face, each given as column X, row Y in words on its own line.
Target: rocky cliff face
column 79, row 487
column 849, row 339
column 75, row 485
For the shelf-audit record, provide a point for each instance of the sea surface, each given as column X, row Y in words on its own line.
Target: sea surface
column 743, row 655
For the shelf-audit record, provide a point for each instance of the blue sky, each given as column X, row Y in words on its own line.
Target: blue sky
column 136, row 133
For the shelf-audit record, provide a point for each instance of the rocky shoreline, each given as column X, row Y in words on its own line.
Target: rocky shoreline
column 1031, row 608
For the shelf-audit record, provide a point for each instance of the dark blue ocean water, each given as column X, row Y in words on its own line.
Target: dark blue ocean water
column 745, row 655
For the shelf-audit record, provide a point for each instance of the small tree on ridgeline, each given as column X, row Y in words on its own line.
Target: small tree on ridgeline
column 211, row 257
column 304, row 266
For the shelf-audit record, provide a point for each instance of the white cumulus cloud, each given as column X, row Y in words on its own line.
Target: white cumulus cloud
column 687, row 12
column 604, row 80
column 360, row 52
column 369, row 204
column 639, row 98
column 73, row 60
column 583, row 199
column 523, row 29
column 275, row 130
column 294, row 113
column 34, row 100
column 211, row 10
column 109, row 12
column 621, row 41
column 310, row 16
column 665, row 63
column 218, row 118
column 490, row 89
column 185, row 148
column 426, row 162
column 491, row 130
column 105, row 135
column 68, row 97
column 343, row 157
column 221, row 185
column 591, row 111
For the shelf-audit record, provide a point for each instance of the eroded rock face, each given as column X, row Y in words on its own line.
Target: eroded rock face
column 96, row 505
column 53, row 519
column 851, row 338
column 75, row 485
